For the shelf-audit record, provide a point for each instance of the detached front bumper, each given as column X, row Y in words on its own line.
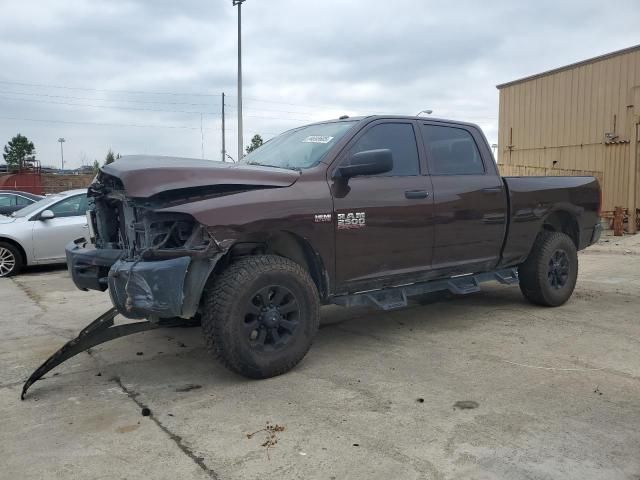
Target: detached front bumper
column 141, row 289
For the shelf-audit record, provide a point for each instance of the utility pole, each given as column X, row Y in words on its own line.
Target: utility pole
column 224, row 148
column 201, row 137
column 61, row 140
column 239, row 3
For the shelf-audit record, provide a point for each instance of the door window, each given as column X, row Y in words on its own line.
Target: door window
column 397, row 137
column 7, row 200
column 70, row 207
column 451, row 151
column 23, row 201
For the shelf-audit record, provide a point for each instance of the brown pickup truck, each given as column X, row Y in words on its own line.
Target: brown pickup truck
column 355, row 211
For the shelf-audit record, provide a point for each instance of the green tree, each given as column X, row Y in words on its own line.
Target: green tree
column 110, row 158
column 256, row 142
column 96, row 166
column 18, row 150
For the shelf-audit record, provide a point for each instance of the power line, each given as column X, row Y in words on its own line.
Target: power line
column 141, row 92
column 99, row 124
column 106, row 99
column 135, row 92
column 147, row 92
column 280, row 118
column 276, row 111
column 3, row 94
column 284, row 103
column 113, row 107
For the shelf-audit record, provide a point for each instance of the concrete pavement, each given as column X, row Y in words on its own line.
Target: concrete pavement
column 557, row 390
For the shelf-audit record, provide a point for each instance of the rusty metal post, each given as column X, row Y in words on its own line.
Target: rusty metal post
column 633, row 159
column 618, row 222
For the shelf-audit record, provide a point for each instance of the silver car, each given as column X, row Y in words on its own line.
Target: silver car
column 37, row 234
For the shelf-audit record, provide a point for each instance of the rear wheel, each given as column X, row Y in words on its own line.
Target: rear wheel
column 549, row 274
column 259, row 316
column 10, row 260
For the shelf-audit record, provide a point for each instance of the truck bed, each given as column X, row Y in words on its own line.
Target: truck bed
column 532, row 199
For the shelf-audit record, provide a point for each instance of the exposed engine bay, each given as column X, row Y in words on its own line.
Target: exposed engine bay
column 138, row 230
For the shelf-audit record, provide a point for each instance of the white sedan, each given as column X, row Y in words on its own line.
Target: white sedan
column 37, row 234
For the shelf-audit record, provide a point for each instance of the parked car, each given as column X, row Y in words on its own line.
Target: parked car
column 11, row 200
column 358, row 211
column 38, row 233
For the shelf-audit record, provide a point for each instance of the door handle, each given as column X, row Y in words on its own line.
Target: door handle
column 413, row 194
column 492, row 190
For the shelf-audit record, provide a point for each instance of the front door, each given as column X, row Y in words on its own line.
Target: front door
column 52, row 235
column 383, row 222
column 470, row 203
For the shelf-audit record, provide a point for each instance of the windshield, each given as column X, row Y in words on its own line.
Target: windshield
column 300, row 148
column 34, row 207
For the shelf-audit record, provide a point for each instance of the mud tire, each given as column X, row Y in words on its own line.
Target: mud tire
column 541, row 281
column 224, row 315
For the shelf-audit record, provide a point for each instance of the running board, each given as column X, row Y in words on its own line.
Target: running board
column 101, row 330
column 396, row 297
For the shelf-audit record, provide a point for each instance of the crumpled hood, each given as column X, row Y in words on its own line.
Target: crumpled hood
column 144, row 176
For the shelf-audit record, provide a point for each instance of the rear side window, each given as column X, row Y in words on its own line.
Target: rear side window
column 451, row 151
column 23, row 200
column 397, row 137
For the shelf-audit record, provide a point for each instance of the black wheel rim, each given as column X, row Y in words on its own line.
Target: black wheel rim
column 558, row 274
column 272, row 318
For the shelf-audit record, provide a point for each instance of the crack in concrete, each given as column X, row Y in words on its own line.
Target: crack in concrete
column 31, row 294
column 175, row 438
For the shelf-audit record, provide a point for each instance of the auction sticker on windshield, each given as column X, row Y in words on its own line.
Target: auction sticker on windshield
column 317, row 139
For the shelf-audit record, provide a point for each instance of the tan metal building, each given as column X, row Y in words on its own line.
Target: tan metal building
column 581, row 119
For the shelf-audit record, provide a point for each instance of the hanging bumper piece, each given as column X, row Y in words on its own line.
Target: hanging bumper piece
column 101, row 330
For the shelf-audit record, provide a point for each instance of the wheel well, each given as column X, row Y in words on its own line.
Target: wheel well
column 561, row 221
column 284, row 244
column 23, row 254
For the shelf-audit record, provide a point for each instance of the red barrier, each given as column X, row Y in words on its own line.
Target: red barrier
column 24, row 182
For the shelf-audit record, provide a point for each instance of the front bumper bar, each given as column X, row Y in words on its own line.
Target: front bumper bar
column 141, row 289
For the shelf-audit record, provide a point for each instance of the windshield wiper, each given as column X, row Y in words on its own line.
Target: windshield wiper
column 288, row 167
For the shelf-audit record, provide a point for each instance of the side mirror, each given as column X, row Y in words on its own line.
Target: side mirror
column 368, row 162
column 46, row 215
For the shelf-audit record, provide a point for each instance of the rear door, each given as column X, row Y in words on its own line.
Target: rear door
column 470, row 203
column 383, row 222
column 52, row 235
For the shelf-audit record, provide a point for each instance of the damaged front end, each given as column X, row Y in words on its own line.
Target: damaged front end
column 155, row 264
column 154, row 259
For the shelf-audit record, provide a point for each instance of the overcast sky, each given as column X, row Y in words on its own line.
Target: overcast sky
column 135, row 75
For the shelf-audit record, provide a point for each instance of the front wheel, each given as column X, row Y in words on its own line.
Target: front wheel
column 260, row 315
column 10, row 260
column 548, row 276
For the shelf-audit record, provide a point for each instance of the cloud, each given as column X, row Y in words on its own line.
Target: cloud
column 303, row 61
